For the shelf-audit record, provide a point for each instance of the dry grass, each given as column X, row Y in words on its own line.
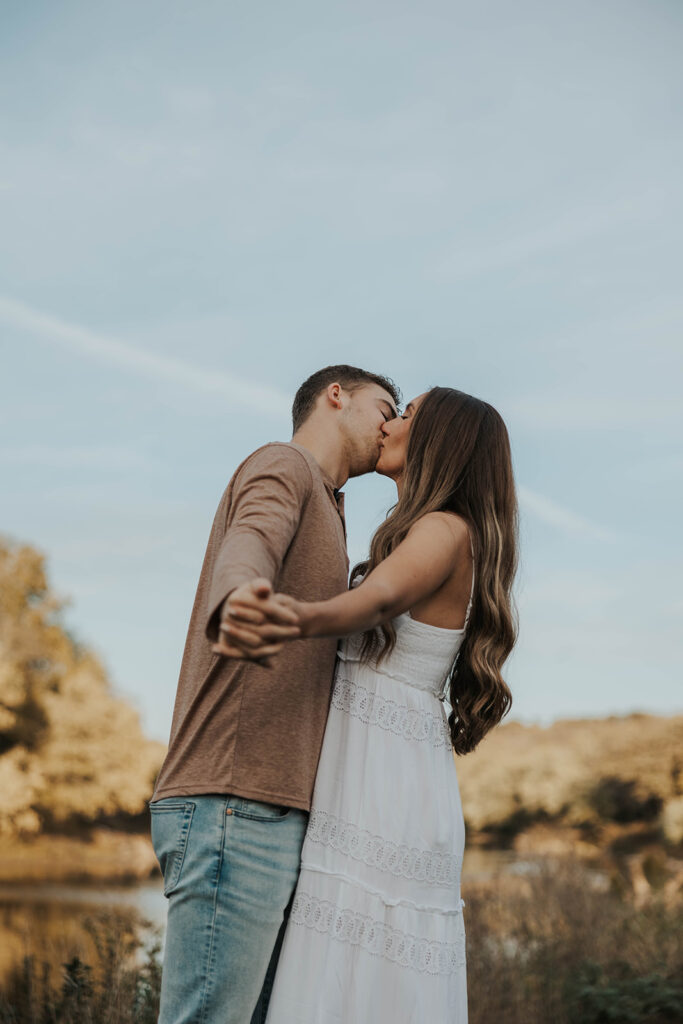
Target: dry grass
column 108, row 976
column 552, row 946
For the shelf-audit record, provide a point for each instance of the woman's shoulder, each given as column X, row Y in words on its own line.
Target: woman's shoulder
column 451, row 526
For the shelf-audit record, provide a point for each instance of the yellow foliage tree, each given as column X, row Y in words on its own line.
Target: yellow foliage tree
column 70, row 750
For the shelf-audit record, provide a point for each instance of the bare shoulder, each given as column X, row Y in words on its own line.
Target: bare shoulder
column 447, row 527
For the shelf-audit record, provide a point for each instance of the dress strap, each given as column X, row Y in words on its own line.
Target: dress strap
column 469, row 603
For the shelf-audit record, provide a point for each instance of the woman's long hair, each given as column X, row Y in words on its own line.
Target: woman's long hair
column 458, row 460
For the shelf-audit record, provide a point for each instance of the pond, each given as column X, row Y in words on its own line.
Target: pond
column 54, row 922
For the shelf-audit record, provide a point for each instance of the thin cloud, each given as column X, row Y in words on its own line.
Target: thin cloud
column 572, row 228
column 106, row 457
column 578, row 413
column 562, row 518
column 263, row 399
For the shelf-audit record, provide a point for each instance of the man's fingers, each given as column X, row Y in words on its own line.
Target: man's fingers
column 270, row 608
column 241, row 635
column 243, row 613
column 258, row 654
column 262, row 587
column 229, row 651
column 233, row 650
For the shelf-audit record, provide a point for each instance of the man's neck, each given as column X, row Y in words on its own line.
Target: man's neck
column 326, row 451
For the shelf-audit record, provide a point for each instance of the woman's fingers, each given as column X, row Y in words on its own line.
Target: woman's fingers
column 273, row 632
column 257, row 636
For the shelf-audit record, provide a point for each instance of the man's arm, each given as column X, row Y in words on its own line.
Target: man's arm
column 268, row 497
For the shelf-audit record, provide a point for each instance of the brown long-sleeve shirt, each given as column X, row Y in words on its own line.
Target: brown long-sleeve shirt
column 238, row 727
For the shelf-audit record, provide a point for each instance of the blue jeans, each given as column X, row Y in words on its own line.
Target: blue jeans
column 230, row 867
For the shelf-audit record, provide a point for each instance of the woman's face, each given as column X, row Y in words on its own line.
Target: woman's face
column 392, row 458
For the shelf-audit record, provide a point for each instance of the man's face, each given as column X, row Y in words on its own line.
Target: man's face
column 366, row 411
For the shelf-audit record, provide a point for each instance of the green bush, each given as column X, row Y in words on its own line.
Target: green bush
column 599, row 996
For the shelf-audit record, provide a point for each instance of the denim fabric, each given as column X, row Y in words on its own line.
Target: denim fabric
column 230, row 867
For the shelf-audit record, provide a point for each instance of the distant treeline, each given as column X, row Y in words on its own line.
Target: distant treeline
column 72, row 754
column 588, row 773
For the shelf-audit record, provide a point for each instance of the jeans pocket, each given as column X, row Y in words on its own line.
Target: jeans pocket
column 255, row 810
column 171, row 821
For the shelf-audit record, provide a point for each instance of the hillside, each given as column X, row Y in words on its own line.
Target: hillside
column 602, row 778
column 76, row 770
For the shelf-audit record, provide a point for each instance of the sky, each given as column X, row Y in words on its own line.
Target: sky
column 202, row 204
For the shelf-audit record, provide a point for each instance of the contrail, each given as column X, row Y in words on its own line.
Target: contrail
column 263, row 399
column 563, row 518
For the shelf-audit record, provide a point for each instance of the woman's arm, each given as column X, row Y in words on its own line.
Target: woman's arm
column 419, row 565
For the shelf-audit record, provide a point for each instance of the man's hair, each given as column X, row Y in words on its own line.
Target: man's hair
column 351, row 379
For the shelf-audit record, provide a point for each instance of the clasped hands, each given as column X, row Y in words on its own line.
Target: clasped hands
column 255, row 623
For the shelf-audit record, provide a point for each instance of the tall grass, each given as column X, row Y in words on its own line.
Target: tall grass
column 121, row 986
column 547, row 947
column 554, row 948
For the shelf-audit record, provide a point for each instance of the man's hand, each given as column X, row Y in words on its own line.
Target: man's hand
column 254, row 623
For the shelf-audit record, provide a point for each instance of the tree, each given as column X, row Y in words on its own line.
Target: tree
column 70, row 750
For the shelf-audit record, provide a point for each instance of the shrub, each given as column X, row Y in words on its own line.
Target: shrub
column 596, row 996
column 122, row 987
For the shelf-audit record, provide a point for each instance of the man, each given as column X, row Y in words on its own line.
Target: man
column 231, row 803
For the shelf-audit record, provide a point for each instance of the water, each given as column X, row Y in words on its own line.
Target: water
column 147, row 899
column 54, row 922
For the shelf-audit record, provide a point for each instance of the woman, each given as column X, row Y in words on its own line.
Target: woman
column 376, row 930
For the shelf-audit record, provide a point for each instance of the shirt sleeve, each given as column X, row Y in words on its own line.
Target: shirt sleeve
column 269, row 493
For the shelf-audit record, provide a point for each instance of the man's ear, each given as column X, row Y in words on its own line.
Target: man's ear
column 334, row 395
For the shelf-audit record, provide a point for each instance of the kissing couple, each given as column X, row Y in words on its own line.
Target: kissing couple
column 307, row 818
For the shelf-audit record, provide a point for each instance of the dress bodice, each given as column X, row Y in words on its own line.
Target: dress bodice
column 422, row 657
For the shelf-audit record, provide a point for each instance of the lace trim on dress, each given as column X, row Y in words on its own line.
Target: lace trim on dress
column 424, row 955
column 407, row 671
column 371, row 708
column 437, row 869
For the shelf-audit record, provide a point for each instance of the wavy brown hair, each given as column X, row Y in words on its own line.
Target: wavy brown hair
column 458, row 460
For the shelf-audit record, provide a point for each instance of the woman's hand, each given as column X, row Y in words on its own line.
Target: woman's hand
column 255, row 622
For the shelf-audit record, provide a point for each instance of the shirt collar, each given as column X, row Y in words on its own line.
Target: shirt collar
column 339, row 498
column 335, row 492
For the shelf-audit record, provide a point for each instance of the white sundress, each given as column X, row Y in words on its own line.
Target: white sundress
column 376, row 932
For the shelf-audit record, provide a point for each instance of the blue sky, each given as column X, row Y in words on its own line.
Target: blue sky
column 202, row 204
